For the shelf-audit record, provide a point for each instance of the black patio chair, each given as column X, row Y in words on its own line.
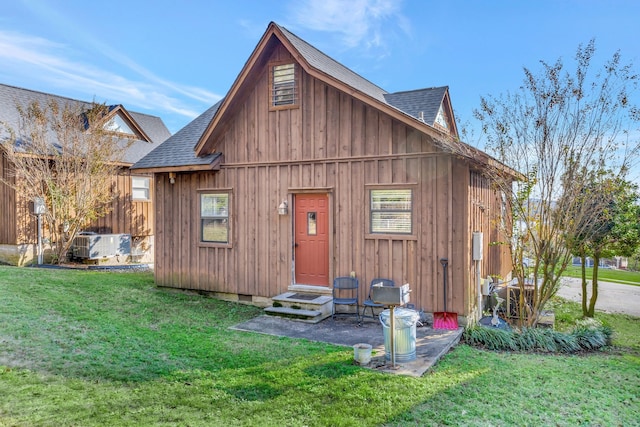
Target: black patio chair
column 368, row 303
column 345, row 292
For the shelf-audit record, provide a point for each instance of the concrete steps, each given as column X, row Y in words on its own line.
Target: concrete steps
column 303, row 306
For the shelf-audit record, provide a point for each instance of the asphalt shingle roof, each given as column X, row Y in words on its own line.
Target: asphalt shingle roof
column 422, row 104
column 333, row 68
column 425, row 101
column 178, row 150
column 11, row 96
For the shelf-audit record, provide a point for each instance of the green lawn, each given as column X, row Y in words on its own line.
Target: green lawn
column 95, row 348
column 607, row 275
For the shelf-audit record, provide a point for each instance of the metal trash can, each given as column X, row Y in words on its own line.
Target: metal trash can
column 405, row 333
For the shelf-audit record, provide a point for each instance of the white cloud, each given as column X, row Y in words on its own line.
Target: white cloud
column 360, row 23
column 52, row 62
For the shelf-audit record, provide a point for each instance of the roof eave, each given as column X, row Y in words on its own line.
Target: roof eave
column 235, row 87
column 214, row 165
column 484, row 160
column 131, row 121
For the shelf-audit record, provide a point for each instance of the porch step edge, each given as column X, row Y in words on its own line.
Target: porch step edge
column 287, row 297
column 309, row 316
column 293, row 311
column 310, row 289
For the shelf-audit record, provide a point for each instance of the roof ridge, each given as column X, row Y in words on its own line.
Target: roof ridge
column 419, row 90
column 284, row 29
column 53, row 95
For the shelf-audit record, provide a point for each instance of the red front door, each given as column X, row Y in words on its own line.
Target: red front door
column 312, row 239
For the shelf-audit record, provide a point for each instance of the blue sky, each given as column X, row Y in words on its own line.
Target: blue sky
column 174, row 59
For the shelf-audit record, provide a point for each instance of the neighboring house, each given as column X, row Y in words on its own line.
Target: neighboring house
column 132, row 211
column 618, row 262
column 306, row 171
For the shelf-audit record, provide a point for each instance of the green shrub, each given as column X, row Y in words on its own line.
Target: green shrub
column 589, row 339
column 566, row 343
column 491, row 338
column 586, row 336
column 535, row 339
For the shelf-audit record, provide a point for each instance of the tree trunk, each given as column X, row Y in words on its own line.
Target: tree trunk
column 583, row 259
column 594, row 286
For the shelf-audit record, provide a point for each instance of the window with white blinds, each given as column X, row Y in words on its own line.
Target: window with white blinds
column 391, row 211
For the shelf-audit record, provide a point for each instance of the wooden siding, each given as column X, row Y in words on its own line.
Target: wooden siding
column 260, row 257
column 329, row 142
column 486, row 214
column 127, row 216
column 7, row 205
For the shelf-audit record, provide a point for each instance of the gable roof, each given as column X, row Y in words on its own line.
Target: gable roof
column 151, row 129
column 422, row 104
column 418, row 108
column 331, row 67
column 322, row 67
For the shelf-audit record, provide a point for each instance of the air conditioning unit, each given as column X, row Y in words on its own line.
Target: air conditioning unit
column 98, row 246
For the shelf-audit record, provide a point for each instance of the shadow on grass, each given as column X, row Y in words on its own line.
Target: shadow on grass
column 332, row 370
column 120, row 327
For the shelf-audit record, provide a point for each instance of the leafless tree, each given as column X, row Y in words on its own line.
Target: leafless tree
column 562, row 130
column 66, row 156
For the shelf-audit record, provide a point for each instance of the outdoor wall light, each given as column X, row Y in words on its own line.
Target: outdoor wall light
column 172, row 177
column 283, row 208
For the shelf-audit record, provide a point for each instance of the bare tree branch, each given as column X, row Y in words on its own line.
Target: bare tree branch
column 562, row 130
column 64, row 155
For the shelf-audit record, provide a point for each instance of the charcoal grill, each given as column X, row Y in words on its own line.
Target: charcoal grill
column 391, row 297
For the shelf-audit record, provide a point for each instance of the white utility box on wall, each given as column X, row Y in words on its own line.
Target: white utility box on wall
column 477, row 246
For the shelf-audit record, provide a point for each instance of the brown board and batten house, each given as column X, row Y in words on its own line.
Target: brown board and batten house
column 131, row 213
column 306, row 171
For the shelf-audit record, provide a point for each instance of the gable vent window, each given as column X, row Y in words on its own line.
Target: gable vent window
column 117, row 125
column 441, row 119
column 284, row 90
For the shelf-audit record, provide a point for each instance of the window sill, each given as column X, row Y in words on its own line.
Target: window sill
column 215, row 245
column 374, row 236
column 283, row 107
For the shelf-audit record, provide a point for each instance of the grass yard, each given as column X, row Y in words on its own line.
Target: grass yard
column 607, row 275
column 98, row 348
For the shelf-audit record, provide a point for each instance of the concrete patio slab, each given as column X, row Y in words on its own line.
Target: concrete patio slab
column 431, row 344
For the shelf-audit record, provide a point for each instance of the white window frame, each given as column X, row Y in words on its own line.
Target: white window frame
column 441, row 119
column 117, row 124
column 207, row 216
column 377, row 209
column 145, row 189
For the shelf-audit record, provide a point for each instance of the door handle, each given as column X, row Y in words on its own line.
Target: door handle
column 295, row 245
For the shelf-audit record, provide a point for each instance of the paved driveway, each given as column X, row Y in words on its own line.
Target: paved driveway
column 612, row 297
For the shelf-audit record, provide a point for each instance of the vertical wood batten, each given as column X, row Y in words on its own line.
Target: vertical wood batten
column 317, row 145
